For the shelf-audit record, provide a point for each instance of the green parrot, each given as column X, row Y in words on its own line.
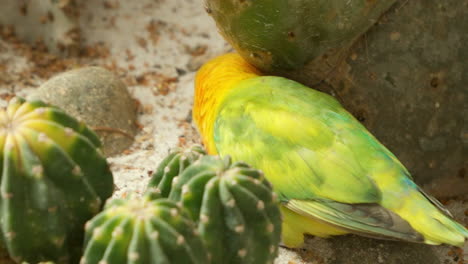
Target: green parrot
column 331, row 175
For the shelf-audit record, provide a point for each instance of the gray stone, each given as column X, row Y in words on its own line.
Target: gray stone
column 55, row 22
column 98, row 98
column 353, row 249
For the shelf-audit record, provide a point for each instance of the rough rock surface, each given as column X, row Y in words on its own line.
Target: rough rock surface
column 406, row 81
column 97, row 97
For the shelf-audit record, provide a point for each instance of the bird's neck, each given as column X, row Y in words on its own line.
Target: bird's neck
column 212, row 83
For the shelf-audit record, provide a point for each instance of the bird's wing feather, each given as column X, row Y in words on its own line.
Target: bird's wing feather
column 308, row 145
column 310, row 148
column 371, row 220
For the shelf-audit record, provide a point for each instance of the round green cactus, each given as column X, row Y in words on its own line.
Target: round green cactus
column 143, row 231
column 236, row 210
column 53, row 179
column 285, row 35
column 176, row 162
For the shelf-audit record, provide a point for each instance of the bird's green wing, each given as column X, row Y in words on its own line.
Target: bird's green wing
column 317, row 156
column 305, row 142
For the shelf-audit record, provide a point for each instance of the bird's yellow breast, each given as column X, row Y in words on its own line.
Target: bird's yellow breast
column 212, row 83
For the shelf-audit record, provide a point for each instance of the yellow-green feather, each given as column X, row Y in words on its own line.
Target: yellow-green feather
column 321, row 161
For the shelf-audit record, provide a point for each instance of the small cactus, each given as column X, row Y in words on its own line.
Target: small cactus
column 236, row 210
column 176, row 162
column 53, row 180
column 143, row 230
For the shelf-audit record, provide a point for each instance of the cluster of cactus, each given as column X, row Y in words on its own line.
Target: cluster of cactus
column 143, row 230
column 53, row 179
column 236, row 211
column 197, row 209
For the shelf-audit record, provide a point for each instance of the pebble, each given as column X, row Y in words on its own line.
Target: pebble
column 97, row 97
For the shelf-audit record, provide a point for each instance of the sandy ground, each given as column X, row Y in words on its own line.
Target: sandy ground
column 155, row 46
column 163, row 42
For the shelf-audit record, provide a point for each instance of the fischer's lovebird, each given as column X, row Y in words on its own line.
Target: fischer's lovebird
column 331, row 175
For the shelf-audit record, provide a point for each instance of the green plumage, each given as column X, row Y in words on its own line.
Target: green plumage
column 143, row 231
column 324, row 164
column 237, row 215
column 323, row 141
column 53, row 179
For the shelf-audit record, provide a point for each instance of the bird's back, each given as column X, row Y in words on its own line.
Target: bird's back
column 325, row 164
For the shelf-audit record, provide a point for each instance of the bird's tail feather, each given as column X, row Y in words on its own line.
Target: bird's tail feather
column 432, row 220
column 416, row 220
column 371, row 220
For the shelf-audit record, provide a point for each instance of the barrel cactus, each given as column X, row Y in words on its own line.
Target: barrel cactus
column 278, row 35
column 143, row 230
column 176, row 162
column 53, row 179
column 236, row 211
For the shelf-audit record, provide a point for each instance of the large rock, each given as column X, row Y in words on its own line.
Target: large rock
column 55, row 22
column 278, row 35
column 97, row 97
column 406, row 80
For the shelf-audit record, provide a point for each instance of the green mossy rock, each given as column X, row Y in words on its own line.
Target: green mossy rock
column 53, row 179
column 143, row 230
column 278, row 35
